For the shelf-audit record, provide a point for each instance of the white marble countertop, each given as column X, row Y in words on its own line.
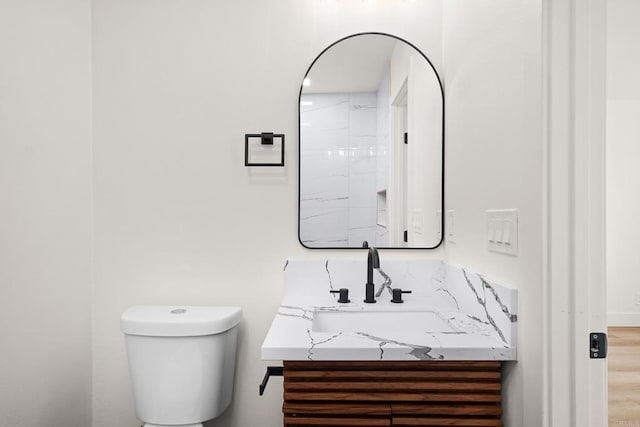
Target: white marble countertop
column 477, row 317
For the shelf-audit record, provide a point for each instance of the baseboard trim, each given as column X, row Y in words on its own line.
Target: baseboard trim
column 623, row 319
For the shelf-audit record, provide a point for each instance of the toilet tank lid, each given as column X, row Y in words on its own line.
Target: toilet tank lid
column 177, row 321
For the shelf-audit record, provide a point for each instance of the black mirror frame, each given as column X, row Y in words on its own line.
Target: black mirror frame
column 442, row 214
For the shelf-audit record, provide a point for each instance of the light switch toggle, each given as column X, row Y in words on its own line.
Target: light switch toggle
column 506, row 231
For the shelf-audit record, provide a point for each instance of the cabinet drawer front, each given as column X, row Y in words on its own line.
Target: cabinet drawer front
column 421, row 393
column 440, row 422
column 378, row 409
column 320, row 421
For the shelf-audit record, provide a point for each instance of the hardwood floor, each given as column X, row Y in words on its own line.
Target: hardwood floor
column 624, row 377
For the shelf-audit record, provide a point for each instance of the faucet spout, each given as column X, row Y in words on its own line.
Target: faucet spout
column 373, row 261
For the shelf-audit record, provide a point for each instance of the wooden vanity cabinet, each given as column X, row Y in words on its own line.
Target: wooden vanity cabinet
column 412, row 393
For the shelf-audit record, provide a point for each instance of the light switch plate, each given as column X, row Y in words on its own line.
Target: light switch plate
column 502, row 231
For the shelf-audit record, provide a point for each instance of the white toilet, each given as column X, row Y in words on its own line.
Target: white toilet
column 181, row 362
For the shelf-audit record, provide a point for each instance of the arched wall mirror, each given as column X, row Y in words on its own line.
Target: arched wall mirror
column 371, row 134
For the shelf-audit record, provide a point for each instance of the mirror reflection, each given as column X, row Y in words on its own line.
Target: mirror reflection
column 371, row 146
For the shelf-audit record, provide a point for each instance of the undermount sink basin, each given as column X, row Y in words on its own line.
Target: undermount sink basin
column 379, row 322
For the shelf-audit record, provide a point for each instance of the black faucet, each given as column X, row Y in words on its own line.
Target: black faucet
column 373, row 261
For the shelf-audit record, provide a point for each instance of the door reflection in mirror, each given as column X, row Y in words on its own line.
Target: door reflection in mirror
column 371, row 146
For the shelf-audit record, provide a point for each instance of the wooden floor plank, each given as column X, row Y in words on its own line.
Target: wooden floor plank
column 624, row 377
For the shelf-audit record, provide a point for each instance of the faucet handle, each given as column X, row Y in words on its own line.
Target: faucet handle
column 344, row 295
column 397, row 295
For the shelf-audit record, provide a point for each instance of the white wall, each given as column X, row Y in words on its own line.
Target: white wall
column 45, row 211
column 623, row 154
column 492, row 76
column 178, row 218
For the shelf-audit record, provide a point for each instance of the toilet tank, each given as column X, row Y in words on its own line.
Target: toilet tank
column 181, row 361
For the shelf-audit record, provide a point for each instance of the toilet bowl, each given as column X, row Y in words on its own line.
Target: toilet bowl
column 181, row 362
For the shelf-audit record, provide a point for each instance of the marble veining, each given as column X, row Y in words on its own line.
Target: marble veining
column 478, row 317
column 326, row 267
column 312, row 339
column 483, row 302
column 439, row 280
column 505, row 309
